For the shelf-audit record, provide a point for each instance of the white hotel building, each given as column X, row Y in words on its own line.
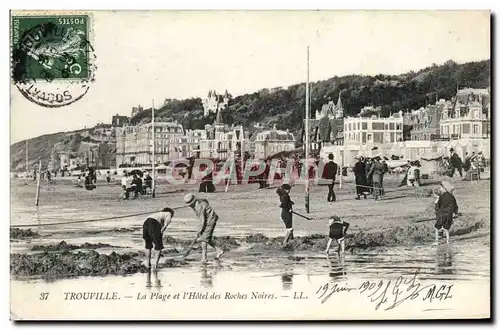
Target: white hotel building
column 373, row 130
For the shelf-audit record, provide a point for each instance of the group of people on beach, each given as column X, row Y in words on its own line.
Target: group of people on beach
column 369, row 176
column 369, row 173
column 137, row 183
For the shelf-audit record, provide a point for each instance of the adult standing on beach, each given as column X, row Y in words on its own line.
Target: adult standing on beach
column 108, row 177
column 286, row 206
column 360, row 175
column 377, row 172
column 331, row 169
column 455, row 162
column 208, row 221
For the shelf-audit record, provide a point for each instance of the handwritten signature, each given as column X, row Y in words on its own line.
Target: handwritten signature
column 391, row 293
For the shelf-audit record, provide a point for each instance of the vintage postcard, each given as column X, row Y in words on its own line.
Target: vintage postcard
column 250, row 165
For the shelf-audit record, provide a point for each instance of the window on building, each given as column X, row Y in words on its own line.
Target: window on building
column 378, row 126
column 424, row 137
column 357, row 125
column 378, row 137
column 475, row 129
column 364, row 126
column 369, row 138
column 398, row 127
column 466, row 128
column 392, row 137
column 363, row 137
column 391, row 126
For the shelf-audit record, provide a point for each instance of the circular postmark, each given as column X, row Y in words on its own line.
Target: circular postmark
column 53, row 61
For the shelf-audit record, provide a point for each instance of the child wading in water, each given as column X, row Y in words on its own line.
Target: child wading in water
column 208, row 221
column 152, row 233
column 286, row 206
column 445, row 206
column 338, row 228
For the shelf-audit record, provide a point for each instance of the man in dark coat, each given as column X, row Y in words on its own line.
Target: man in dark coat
column 455, row 162
column 360, row 174
column 330, row 170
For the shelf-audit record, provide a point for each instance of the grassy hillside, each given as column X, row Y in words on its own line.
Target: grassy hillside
column 285, row 106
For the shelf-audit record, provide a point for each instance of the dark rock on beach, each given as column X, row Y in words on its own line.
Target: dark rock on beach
column 92, row 263
column 63, row 246
column 16, row 233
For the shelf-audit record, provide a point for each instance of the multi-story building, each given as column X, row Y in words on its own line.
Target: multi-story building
column 215, row 102
column 189, row 145
column 134, row 144
column 425, row 121
column 222, row 141
column 119, row 121
column 268, row 142
column 373, row 130
column 335, row 115
column 468, row 117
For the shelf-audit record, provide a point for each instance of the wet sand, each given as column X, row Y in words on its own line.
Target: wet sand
column 386, row 239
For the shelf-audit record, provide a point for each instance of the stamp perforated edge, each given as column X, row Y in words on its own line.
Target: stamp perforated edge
column 40, row 13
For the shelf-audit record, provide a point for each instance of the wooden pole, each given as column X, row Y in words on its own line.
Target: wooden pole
column 26, row 166
column 153, row 187
column 37, row 200
column 242, row 149
column 306, row 149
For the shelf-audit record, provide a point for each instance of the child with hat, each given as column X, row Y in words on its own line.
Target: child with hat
column 208, row 221
column 445, row 206
column 338, row 229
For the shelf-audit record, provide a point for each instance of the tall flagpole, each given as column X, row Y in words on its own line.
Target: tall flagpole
column 27, row 169
column 307, row 137
column 153, row 187
column 242, row 151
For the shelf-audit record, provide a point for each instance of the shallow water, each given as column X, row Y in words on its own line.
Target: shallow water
column 465, row 263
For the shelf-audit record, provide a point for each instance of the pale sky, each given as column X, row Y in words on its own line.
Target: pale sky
column 144, row 55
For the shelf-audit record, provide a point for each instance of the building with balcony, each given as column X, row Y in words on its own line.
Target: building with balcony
column 222, row 141
column 189, row 145
column 268, row 142
column 468, row 117
column 425, row 121
column 134, row 144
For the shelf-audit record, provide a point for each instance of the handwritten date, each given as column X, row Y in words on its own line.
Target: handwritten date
column 391, row 294
column 394, row 293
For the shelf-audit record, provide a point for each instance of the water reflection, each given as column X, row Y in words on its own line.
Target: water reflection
column 444, row 261
column 207, row 275
column 287, row 281
column 337, row 269
column 156, row 278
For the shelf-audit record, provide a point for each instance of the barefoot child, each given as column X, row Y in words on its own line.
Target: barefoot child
column 152, row 233
column 286, row 206
column 445, row 206
column 208, row 219
column 338, row 228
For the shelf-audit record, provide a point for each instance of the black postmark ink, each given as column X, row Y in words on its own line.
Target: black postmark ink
column 52, row 58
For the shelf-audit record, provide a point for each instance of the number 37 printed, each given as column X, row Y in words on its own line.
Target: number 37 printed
column 44, row 295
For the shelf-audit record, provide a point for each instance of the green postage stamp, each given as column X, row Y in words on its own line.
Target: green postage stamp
column 53, row 61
